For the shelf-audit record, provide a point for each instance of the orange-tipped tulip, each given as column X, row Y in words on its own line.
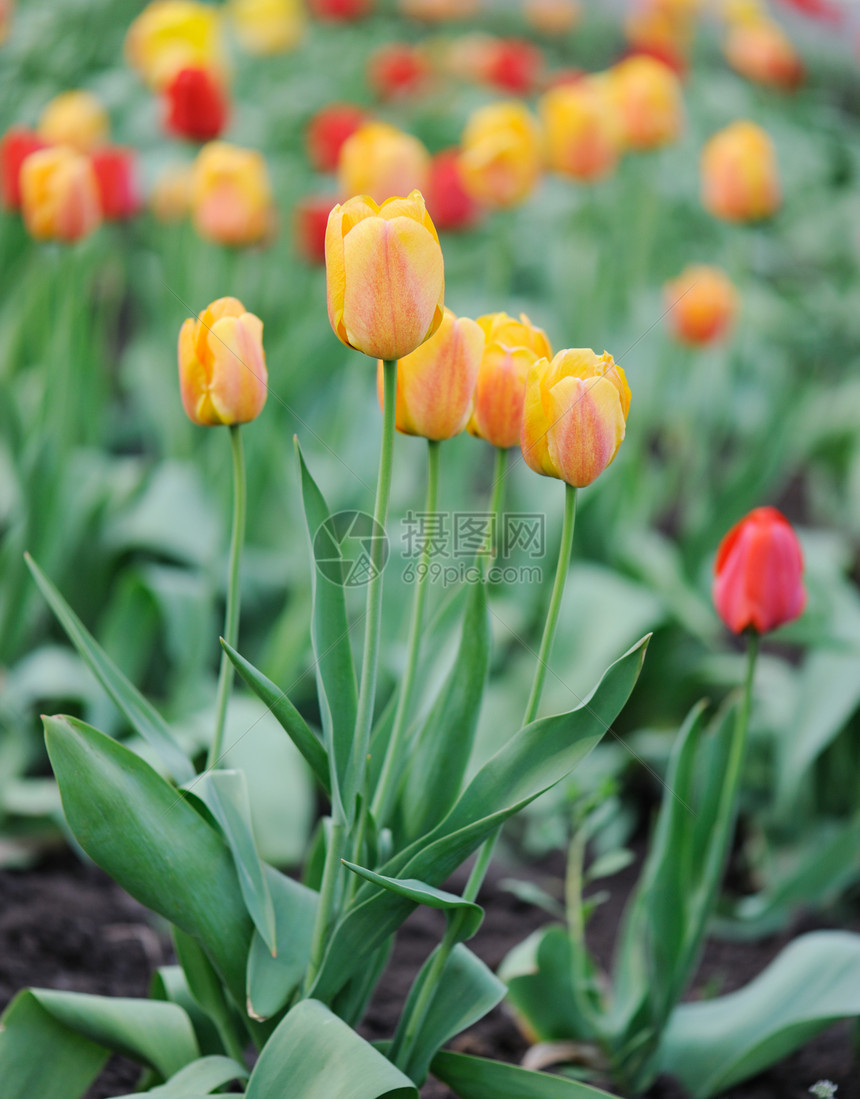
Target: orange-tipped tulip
column 170, row 35
column 436, row 382
column 763, row 53
column 575, row 415
column 59, row 194
column 379, row 160
column 582, row 133
column 385, row 275
column 77, row 119
column 511, row 348
column 740, row 178
column 647, row 96
column 702, row 303
column 222, row 365
column 501, row 154
column 231, row 197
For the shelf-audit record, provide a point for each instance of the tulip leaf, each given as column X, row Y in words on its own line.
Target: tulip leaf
column 226, row 795
column 289, row 718
column 141, row 831
column 200, row 1077
column 712, row 1045
column 169, row 983
column 271, row 981
column 335, row 670
column 141, row 714
column 533, row 761
column 314, row 1055
column 476, row 1078
column 202, row 986
column 444, row 744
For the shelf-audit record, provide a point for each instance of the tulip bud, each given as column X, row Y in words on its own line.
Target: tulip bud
column 449, row 203
column 59, row 195
column 501, row 154
column 170, row 199
column 77, row 119
column 170, row 35
column 266, row 27
column 385, row 275
column 647, row 96
column 758, row 573
column 396, row 70
column 231, row 197
column 379, row 160
column 582, row 133
column 310, row 219
column 701, row 304
column 575, row 415
column 114, row 171
column 16, row 146
column 763, row 53
column 511, row 348
column 740, row 180
column 196, row 105
column 436, row 381
column 552, row 17
column 222, row 365
column 328, row 130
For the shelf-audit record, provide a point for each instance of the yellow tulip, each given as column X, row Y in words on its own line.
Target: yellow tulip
column 170, row 199
column 553, row 17
column 385, row 275
column 647, row 96
column 581, row 130
column 231, row 196
column 268, row 26
column 77, row 119
column 170, row 35
column 379, row 160
column 701, row 304
column 501, row 154
column 575, row 415
column 740, row 178
column 763, row 53
column 222, row 365
column 435, row 383
column 59, row 194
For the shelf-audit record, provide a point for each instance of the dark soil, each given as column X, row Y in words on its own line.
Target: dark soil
column 67, row 926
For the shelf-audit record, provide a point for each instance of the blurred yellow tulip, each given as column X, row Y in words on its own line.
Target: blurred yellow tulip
column 500, row 158
column 231, row 196
column 170, row 35
column 266, row 27
column 581, row 130
column 59, row 194
column 740, row 178
column 379, row 160
column 763, row 53
column 701, row 304
column 77, row 119
column 647, row 96
column 552, row 17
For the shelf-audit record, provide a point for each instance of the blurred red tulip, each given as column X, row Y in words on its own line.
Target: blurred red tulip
column 114, row 170
column 448, row 202
column 310, row 219
column 397, row 69
column 328, row 130
column 514, row 66
column 340, row 11
column 15, row 147
column 818, row 9
column 197, row 106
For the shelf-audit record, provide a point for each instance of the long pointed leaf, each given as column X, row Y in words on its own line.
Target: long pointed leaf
column 471, row 914
column 476, row 1078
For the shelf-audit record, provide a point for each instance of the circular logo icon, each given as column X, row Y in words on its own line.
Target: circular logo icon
column 350, row 548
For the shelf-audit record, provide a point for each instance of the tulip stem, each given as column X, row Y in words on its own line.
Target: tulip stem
column 497, row 503
column 554, row 604
column 231, row 619
column 390, row 774
column 373, row 618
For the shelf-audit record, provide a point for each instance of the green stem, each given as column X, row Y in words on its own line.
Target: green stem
column 231, row 620
column 328, row 895
column 389, row 776
column 497, row 503
column 373, row 619
column 554, row 604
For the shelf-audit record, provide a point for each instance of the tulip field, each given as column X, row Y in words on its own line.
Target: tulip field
column 429, row 549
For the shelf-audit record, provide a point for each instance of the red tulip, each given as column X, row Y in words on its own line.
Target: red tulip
column 758, row 573
column 450, row 205
column 340, row 11
column 397, row 69
column 16, row 146
column 197, row 105
column 514, row 66
column 114, row 169
column 310, row 219
column 817, row 9
column 328, row 130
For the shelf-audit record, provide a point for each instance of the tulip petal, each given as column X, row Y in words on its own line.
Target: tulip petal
column 586, row 429
column 237, row 390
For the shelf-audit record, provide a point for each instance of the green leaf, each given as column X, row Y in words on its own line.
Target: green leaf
column 533, row 761
column 335, row 670
column 203, row 987
column 169, row 983
column 139, row 829
column 199, row 1078
column 292, row 722
column 271, row 980
column 711, row 1046
column 471, row 914
column 477, row 1078
column 442, row 749
column 314, row 1055
column 226, row 794
column 142, row 716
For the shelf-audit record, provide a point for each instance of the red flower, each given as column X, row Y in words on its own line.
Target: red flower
column 340, row 11
column 197, row 105
column 514, row 66
column 396, row 69
column 818, row 9
column 328, row 130
column 758, row 573
column 310, row 219
column 16, row 146
column 114, row 169
column 448, row 203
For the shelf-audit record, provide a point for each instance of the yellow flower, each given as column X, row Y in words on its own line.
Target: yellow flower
column 581, row 130
column 740, row 178
column 59, row 194
column 268, row 26
column 500, row 157
column 701, row 303
column 77, row 119
column 435, row 383
column 575, row 415
column 552, row 17
column 231, row 196
column 763, row 53
column 385, row 275
column 510, row 349
column 170, row 199
column 222, row 365
column 379, row 160
column 170, row 35
column 647, row 96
